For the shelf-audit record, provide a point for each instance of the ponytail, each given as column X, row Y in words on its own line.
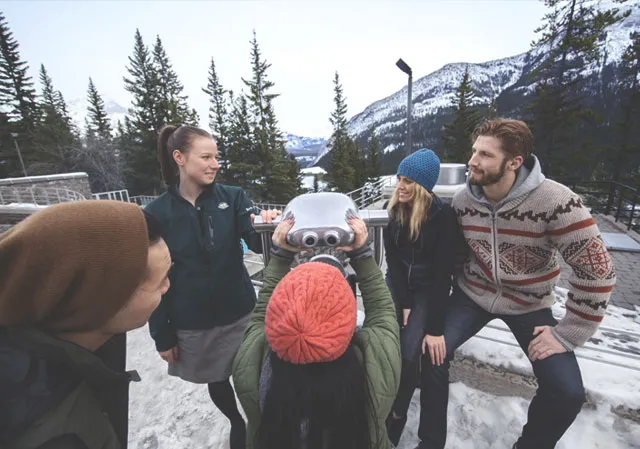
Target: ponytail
column 173, row 138
column 168, row 166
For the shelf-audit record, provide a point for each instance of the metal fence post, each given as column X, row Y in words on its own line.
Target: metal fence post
column 620, row 204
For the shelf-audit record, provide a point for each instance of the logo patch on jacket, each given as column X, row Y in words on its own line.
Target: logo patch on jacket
column 223, row 205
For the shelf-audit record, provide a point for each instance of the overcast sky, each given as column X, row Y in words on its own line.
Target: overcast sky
column 305, row 41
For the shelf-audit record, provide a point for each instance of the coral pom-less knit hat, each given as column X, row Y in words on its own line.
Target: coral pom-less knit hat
column 423, row 167
column 311, row 315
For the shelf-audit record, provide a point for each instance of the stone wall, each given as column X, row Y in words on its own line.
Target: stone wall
column 77, row 182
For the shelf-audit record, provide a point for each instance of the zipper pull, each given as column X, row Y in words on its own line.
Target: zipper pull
column 210, row 220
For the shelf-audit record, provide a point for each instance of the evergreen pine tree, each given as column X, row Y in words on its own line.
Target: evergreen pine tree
column 172, row 107
column 145, row 120
column 98, row 122
column 54, row 139
column 18, row 98
column 316, row 184
column 571, row 38
column 492, row 110
column 99, row 155
column 627, row 154
column 218, row 117
column 279, row 179
column 359, row 164
column 374, row 162
column 17, row 93
column 341, row 173
column 456, row 138
column 243, row 168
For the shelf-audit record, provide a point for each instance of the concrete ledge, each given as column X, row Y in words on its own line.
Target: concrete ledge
column 500, row 382
column 43, row 178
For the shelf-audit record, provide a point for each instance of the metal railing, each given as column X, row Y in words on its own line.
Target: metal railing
column 142, row 200
column 267, row 206
column 114, row 195
column 38, row 196
column 610, row 198
column 370, row 192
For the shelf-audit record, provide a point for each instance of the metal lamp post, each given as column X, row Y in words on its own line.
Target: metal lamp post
column 15, row 142
column 406, row 69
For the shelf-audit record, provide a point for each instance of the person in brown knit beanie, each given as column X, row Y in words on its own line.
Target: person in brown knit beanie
column 72, row 276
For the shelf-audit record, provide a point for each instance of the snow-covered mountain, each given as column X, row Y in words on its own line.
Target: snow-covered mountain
column 433, row 93
column 305, row 149
column 300, row 143
column 78, row 111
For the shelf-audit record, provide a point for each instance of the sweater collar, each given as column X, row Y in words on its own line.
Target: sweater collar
column 529, row 177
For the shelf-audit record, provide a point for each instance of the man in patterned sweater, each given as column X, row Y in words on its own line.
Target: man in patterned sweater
column 515, row 223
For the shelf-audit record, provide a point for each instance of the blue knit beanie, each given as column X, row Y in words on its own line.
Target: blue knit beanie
column 423, row 167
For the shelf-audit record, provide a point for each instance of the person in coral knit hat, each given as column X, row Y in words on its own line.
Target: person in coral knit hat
column 305, row 375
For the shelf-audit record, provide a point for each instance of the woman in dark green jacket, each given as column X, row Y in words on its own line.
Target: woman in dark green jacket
column 199, row 324
column 305, row 376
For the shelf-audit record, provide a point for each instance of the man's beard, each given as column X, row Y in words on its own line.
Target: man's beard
column 489, row 178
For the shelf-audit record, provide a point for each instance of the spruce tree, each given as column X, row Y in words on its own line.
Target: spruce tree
column 218, row 117
column 243, row 167
column 492, row 109
column 54, row 139
column 279, row 179
column 456, row 138
column 99, row 155
column 341, row 172
column 17, row 92
column 172, row 107
column 98, row 123
column 374, row 158
column 18, row 98
column 627, row 154
column 316, row 184
column 145, row 120
column 571, row 39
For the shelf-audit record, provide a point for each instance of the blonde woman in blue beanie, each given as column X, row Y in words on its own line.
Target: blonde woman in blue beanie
column 420, row 244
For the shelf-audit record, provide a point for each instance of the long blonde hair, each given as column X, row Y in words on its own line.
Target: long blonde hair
column 416, row 214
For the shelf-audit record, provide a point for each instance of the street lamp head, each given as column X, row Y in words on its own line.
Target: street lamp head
column 404, row 67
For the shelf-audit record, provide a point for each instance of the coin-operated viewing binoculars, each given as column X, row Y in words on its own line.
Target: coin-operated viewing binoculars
column 321, row 225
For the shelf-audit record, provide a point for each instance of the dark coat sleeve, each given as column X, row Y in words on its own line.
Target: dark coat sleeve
column 160, row 327
column 446, row 247
column 397, row 272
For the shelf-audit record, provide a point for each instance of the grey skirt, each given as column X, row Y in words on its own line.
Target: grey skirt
column 206, row 356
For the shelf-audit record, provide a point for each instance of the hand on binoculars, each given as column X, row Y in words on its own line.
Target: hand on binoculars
column 361, row 234
column 279, row 237
column 267, row 216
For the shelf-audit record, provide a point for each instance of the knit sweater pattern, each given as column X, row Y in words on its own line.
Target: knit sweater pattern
column 512, row 266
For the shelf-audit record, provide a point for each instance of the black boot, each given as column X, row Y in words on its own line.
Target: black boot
column 238, row 435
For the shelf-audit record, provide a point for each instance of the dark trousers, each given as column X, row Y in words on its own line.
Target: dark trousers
column 560, row 393
column 411, row 337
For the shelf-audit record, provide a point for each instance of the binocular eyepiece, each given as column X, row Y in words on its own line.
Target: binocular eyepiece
column 310, row 239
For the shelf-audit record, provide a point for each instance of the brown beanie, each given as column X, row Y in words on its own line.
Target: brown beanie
column 71, row 267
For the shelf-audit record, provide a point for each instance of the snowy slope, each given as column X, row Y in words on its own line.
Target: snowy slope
column 167, row 413
column 436, row 90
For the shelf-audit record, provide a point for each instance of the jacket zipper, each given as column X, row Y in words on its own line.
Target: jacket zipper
column 494, row 251
column 210, row 220
column 413, row 260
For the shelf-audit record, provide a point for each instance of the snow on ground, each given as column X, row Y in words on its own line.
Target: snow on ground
column 313, row 171
column 167, row 413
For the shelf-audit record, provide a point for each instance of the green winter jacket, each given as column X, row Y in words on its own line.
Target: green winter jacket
column 377, row 345
column 210, row 285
